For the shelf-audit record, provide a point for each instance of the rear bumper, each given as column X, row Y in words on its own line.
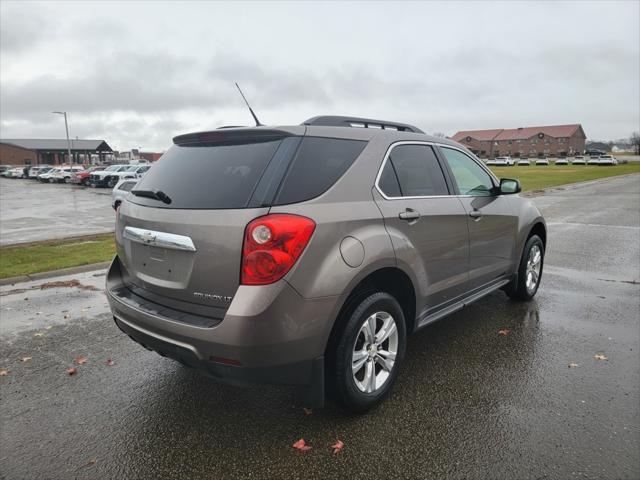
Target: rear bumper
column 269, row 334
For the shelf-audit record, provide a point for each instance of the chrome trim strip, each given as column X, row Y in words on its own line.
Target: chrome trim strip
column 418, row 142
column 159, row 239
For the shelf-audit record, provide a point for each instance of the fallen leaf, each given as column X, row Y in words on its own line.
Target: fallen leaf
column 80, row 360
column 504, row 331
column 573, row 365
column 3, row 372
column 337, row 447
column 72, row 371
column 25, row 359
column 39, row 334
column 599, row 356
column 301, row 445
column 110, row 362
column 48, row 327
column 307, row 411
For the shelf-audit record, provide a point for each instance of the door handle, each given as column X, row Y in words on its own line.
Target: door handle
column 409, row 214
column 475, row 214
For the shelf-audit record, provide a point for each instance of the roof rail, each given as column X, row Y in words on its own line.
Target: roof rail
column 338, row 121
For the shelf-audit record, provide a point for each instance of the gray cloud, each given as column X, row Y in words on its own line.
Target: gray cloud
column 138, row 83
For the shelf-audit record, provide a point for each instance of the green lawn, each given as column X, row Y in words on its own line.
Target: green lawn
column 535, row 178
column 46, row 256
column 53, row 255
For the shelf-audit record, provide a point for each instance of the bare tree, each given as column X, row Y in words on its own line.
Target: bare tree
column 635, row 142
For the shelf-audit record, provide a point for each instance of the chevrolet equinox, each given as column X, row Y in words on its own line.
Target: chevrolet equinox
column 304, row 255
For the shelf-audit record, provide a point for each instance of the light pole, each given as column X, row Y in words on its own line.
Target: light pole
column 66, row 127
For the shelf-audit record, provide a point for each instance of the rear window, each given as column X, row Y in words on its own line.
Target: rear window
column 126, row 186
column 208, row 177
column 318, row 164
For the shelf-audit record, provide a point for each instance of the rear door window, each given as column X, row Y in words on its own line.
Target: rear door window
column 412, row 171
column 207, row 176
column 317, row 165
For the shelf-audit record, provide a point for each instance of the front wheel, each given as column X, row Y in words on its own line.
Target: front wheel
column 112, row 182
column 367, row 355
column 529, row 271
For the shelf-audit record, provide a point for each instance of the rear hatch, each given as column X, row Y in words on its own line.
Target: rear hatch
column 180, row 232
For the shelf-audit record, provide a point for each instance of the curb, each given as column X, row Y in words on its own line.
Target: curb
column 54, row 273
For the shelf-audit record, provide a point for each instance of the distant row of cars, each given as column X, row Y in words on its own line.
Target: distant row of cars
column 577, row 160
column 96, row 176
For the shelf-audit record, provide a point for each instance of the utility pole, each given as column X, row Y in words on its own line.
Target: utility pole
column 66, row 127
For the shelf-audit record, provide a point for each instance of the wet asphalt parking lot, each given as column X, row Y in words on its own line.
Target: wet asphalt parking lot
column 31, row 211
column 469, row 403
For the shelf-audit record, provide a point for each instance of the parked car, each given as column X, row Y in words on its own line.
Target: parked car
column 593, row 160
column 38, row 169
column 47, row 177
column 120, row 191
column 607, row 160
column 64, row 174
column 490, row 162
column 578, row 160
column 4, row 168
column 82, row 178
column 524, row 162
column 109, row 178
column 15, row 172
column 542, row 161
column 562, row 161
column 594, row 152
column 306, row 254
column 504, row 162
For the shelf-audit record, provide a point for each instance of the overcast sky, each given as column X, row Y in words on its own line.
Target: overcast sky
column 137, row 74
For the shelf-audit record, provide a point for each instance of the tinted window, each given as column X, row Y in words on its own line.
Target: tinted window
column 220, row 176
column 471, row 178
column 126, row 186
column 316, row 167
column 412, row 171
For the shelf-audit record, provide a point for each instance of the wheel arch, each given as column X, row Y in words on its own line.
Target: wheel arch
column 392, row 280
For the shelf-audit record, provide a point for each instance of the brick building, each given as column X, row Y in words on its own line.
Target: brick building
column 548, row 141
column 16, row 155
column 52, row 152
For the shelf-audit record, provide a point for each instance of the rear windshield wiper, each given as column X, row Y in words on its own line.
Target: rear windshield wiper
column 155, row 194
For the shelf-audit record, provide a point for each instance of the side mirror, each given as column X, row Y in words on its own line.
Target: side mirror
column 509, row 186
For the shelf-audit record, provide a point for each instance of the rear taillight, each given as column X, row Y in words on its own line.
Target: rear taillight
column 272, row 244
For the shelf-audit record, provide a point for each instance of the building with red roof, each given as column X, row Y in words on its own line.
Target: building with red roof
column 546, row 141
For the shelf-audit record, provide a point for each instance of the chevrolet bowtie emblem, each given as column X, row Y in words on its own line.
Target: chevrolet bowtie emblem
column 148, row 237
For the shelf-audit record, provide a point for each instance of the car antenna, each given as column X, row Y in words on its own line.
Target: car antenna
column 258, row 124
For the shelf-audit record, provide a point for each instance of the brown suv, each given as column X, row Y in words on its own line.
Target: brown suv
column 305, row 255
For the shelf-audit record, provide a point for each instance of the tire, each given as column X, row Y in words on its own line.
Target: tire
column 523, row 288
column 350, row 388
column 112, row 182
column 67, row 179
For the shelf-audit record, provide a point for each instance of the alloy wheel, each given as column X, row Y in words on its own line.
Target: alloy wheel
column 534, row 265
column 374, row 352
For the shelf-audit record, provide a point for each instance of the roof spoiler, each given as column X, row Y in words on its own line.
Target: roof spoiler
column 231, row 136
column 357, row 122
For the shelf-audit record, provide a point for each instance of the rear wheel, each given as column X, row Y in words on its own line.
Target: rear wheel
column 529, row 271
column 368, row 353
column 112, row 182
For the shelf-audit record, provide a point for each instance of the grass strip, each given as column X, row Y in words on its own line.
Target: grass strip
column 536, row 178
column 50, row 255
